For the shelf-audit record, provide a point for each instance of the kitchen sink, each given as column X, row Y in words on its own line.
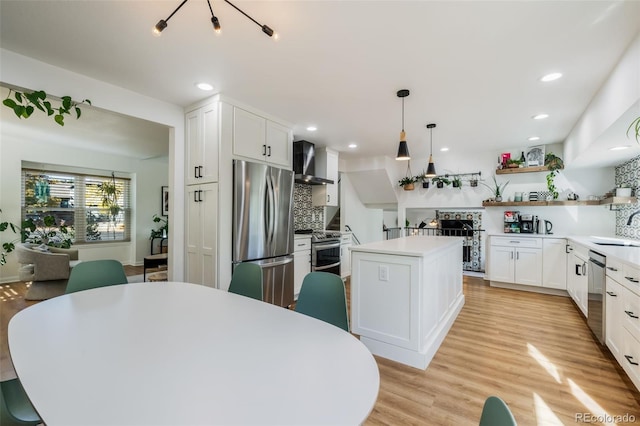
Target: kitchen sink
column 618, row 242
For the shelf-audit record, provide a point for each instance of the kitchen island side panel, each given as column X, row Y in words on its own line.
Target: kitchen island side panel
column 405, row 301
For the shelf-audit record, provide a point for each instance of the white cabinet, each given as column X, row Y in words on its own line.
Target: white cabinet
column 261, row 139
column 516, row 260
column 201, row 234
column 345, row 255
column 613, row 322
column 577, row 281
column 554, row 263
column 326, row 167
column 301, row 262
column 202, row 144
column 622, row 317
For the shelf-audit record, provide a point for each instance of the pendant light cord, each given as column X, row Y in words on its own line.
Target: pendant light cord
column 403, row 114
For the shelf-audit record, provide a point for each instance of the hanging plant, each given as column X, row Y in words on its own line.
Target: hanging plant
column 408, row 181
column 554, row 163
column 635, row 125
column 24, row 104
column 110, row 194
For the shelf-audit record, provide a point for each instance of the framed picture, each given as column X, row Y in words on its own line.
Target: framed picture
column 165, row 201
column 535, row 156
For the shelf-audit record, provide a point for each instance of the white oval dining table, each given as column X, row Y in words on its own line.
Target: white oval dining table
column 184, row 354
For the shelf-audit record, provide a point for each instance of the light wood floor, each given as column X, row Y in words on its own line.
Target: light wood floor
column 534, row 351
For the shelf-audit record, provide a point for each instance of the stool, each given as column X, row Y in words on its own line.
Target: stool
column 157, row 276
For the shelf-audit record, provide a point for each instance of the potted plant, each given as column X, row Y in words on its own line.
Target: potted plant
column 407, row 183
column 497, row 189
column 441, row 181
column 161, row 232
column 473, row 181
column 424, row 179
column 457, row 182
column 553, row 163
column 48, row 233
column 513, row 163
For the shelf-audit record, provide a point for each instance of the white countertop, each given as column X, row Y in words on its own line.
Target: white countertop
column 629, row 255
column 416, row 246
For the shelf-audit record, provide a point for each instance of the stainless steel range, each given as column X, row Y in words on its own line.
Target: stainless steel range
column 325, row 250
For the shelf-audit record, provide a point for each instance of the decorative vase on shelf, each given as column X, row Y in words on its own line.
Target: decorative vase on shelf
column 498, row 198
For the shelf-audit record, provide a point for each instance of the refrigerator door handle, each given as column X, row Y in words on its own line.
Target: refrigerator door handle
column 284, row 261
column 271, row 207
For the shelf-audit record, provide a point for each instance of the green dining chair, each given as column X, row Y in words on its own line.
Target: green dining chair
column 323, row 296
column 15, row 407
column 94, row 274
column 496, row 413
column 247, row 280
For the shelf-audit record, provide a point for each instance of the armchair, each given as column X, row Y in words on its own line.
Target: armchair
column 48, row 271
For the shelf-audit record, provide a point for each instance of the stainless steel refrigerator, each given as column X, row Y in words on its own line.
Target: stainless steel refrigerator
column 263, row 226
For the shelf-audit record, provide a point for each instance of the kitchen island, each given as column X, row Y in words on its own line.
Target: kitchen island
column 405, row 295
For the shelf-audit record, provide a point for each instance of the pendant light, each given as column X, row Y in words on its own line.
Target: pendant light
column 403, row 149
column 431, row 168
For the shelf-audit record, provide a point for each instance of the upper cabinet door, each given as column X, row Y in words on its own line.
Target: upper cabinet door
column 279, row 145
column 249, row 135
column 202, row 147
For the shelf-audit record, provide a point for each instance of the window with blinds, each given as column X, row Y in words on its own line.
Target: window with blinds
column 96, row 207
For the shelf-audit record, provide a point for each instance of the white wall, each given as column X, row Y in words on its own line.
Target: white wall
column 366, row 223
column 21, row 71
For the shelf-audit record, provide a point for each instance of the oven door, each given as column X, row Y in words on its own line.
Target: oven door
column 325, row 257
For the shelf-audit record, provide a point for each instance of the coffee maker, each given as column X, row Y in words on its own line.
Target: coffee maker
column 528, row 223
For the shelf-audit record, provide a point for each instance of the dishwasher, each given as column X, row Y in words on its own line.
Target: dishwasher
column 595, row 300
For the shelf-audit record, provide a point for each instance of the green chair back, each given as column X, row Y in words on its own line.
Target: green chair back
column 94, row 274
column 247, row 280
column 15, row 408
column 323, row 296
column 496, row 413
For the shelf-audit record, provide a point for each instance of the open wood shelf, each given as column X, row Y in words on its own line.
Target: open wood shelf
column 610, row 200
column 512, row 170
column 541, row 203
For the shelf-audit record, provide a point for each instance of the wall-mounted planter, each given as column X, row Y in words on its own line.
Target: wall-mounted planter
column 425, row 184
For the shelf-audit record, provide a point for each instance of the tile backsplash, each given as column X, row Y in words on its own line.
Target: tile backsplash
column 628, row 173
column 305, row 215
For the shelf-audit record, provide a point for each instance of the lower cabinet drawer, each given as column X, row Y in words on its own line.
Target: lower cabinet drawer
column 530, row 242
column 631, row 357
column 631, row 312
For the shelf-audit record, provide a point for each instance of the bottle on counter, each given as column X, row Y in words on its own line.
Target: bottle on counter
column 523, row 161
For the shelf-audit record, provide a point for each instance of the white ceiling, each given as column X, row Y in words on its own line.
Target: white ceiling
column 472, row 67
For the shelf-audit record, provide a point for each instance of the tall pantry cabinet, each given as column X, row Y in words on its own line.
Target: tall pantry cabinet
column 201, row 192
column 219, row 130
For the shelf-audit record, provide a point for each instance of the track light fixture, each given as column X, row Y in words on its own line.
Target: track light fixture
column 403, row 148
column 162, row 24
column 431, row 168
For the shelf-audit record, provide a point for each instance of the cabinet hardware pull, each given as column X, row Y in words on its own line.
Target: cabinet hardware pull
column 195, row 172
column 511, row 255
column 611, row 268
column 633, row 280
column 195, row 196
column 612, row 294
column 200, row 196
column 578, row 267
column 518, row 255
column 514, row 242
column 568, row 248
column 630, row 313
column 269, row 148
column 584, row 269
column 629, row 358
column 328, row 198
column 264, row 150
column 199, row 171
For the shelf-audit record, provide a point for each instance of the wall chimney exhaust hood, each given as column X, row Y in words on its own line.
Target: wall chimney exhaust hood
column 304, row 164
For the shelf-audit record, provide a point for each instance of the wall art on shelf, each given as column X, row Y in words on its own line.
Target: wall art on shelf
column 165, row 201
column 535, row 156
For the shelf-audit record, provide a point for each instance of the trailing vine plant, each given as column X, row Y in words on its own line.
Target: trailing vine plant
column 635, row 125
column 24, row 104
column 110, row 194
column 554, row 163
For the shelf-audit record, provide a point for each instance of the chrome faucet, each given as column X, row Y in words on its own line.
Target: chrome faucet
column 631, row 217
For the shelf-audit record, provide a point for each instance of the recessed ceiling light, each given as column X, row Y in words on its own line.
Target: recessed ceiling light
column 204, row 86
column 551, row 77
column 353, row 145
column 540, row 116
column 534, row 138
column 619, row 148
column 312, row 128
column 444, row 149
